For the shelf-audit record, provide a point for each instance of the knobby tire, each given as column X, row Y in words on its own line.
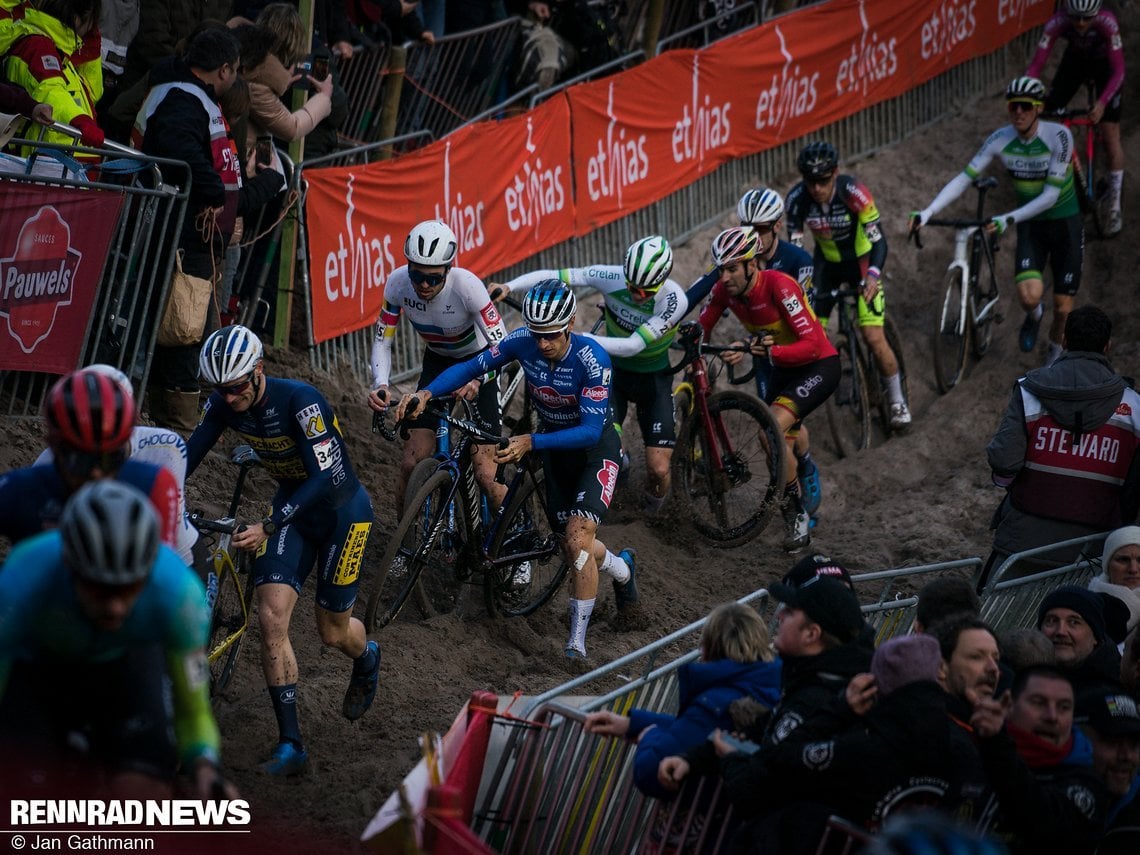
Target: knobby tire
column 730, row 507
column 951, row 340
column 390, row 591
column 228, row 618
column 849, row 407
column 524, row 527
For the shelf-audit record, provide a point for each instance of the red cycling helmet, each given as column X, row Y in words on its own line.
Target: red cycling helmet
column 88, row 412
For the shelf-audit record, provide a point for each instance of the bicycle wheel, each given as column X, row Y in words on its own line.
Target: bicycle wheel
column 849, row 407
column 952, row 333
column 731, row 504
column 682, row 406
column 982, row 328
column 416, row 545
column 521, row 588
column 230, row 619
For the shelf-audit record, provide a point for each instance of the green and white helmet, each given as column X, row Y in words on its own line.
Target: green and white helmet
column 648, row 262
column 1026, row 88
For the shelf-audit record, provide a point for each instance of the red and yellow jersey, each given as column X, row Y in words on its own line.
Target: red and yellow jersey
column 774, row 305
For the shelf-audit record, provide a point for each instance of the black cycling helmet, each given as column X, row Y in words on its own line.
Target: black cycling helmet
column 817, row 160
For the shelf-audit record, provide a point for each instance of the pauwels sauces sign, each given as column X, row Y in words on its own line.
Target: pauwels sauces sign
column 53, row 243
column 502, row 187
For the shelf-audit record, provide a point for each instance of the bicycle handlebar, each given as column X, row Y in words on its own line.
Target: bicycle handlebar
column 690, row 338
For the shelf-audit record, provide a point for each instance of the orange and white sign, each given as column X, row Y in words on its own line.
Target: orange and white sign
column 604, row 149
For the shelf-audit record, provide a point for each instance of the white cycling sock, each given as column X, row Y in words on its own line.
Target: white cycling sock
column 580, row 611
column 1037, row 311
column 651, row 504
column 616, row 567
column 1115, row 183
column 894, row 389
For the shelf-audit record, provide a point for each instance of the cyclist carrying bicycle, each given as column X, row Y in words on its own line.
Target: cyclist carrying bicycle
column 785, row 332
column 1093, row 51
column 850, row 248
column 568, row 376
column 763, row 209
column 320, row 515
column 450, row 309
column 1038, row 156
column 99, row 610
column 642, row 309
column 90, row 419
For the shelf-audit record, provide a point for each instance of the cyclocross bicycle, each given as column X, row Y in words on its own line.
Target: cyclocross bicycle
column 861, row 392
column 232, row 604
column 1087, row 183
column 969, row 305
column 728, row 465
column 443, row 540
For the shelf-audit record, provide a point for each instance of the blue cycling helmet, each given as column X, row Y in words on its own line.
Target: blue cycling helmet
column 549, row 306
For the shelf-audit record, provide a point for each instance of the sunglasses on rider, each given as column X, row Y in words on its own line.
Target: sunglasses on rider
column 238, row 388
column 83, row 463
column 1081, row 17
column 1022, row 106
column 548, row 336
column 641, row 293
column 819, row 181
column 432, row 280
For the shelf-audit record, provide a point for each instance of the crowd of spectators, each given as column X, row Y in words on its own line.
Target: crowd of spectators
column 1027, row 743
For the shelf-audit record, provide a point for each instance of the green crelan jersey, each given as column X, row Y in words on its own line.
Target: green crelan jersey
column 1044, row 159
column 637, row 335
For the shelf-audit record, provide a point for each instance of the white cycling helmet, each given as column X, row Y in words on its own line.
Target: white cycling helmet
column 739, row 243
column 1025, row 88
column 432, row 243
column 549, row 306
column 760, row 207
column 109, row 533
column 229, row 354
column 1082, row 8
column 114, row 373
column 648, row 262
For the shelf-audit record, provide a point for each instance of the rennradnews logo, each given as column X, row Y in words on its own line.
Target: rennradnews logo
column 151, row 812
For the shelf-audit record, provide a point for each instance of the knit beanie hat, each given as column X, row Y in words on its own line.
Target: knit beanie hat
column 1127, row 536
column 905, row 660
column 1080, row 600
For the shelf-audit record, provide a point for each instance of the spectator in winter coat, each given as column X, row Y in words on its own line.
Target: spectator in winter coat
column 1073, row 619
column 1040, row 766
column 736, row 661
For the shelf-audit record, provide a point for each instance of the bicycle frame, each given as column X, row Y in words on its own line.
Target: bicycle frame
column 712, row 429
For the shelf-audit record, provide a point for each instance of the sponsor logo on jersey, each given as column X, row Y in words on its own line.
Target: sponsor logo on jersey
column 490, row 315
column 311, row 421
column 1123, row 409
column 551, row 397
column 587, row 358
column 596, row 393
column 494, row 351
column 607, row 477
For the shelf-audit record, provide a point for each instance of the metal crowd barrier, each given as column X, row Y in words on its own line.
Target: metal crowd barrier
column 458, row 77
column 555, row 788
column 136, row 274
column 1010, row 598
column 362, row 80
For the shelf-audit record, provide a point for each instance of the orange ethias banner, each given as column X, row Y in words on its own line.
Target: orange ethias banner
column 641, row 134
column 605, row 149
column 503, row 187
